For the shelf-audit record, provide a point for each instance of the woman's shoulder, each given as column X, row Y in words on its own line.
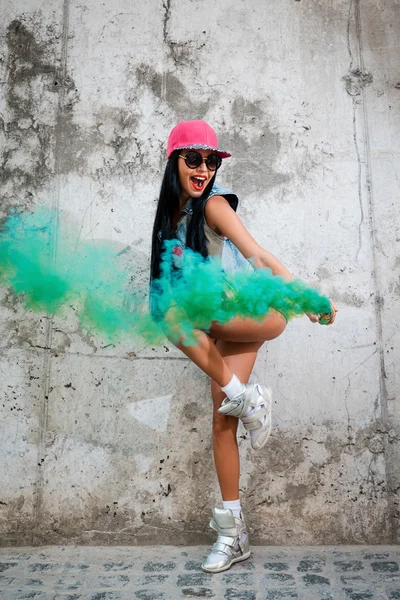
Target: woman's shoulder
column 220, row 190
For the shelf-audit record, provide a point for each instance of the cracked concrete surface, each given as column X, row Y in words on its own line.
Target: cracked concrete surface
column 110, row 443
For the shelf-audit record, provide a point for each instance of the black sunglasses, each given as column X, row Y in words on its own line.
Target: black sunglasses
column 194, row 159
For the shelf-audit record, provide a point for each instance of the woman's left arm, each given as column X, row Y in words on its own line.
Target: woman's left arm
column 220, row 216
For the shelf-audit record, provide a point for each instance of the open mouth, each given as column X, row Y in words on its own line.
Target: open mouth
column 198, row 183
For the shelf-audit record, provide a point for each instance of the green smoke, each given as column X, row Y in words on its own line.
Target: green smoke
column 44, row 263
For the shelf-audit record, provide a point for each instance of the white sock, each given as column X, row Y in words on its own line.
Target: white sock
column 234, row 505
column 233, row 388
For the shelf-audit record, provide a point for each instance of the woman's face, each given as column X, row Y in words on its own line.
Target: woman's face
column 193, row 182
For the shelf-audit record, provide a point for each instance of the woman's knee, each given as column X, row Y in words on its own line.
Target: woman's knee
column 223, row 424
column 278, row 326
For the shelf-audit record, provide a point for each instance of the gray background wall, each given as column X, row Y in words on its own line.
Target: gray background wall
column 105, row 444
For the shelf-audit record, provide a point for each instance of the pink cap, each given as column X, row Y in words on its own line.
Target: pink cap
column 194, row 134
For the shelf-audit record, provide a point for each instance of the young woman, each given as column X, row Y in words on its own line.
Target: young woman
column 202, row 215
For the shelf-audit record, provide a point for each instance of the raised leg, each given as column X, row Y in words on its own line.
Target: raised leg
column 207, row 356
column 248, row 330
column 240, row 358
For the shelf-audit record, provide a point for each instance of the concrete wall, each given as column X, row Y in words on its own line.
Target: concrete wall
column 105, row 444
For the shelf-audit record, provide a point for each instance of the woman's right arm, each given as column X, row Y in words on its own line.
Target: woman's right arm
column 221, row 216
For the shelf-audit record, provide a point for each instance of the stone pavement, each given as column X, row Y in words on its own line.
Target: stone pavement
column 155, row 573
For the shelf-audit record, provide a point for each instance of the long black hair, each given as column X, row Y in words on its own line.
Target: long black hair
column 168, row 204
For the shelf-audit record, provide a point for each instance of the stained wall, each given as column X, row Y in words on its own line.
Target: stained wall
column 111, row 443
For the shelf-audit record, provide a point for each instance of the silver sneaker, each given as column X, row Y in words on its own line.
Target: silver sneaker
column 259, row 398
column 232, row 544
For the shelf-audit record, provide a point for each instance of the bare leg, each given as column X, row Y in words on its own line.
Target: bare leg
column 206, row 354
column 240, row 359
column 247, row 330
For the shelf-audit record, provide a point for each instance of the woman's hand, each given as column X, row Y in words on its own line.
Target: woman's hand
column 315, row 318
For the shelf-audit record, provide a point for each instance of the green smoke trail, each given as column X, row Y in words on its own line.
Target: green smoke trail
column 199, row 292
column 92, row 279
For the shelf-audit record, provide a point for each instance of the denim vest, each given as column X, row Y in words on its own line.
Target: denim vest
column 231, row 257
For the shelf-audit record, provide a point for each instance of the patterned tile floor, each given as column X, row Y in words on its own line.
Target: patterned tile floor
column 166, row 572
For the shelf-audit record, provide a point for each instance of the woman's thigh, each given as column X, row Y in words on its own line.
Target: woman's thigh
column 248, row 330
